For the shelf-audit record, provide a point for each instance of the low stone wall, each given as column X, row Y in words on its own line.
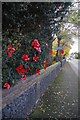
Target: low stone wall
column 20, row 100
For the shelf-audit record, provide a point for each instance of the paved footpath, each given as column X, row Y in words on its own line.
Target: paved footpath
column 61, row 98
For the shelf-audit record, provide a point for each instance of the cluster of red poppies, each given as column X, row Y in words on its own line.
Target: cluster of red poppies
column 20, row 69
column 26, row 58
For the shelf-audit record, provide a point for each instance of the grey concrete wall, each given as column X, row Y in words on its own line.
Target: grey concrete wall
column 19, row 101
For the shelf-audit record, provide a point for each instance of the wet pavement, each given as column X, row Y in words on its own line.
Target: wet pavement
column 61, row 98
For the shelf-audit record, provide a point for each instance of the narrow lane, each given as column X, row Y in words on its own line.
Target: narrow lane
column 61, row 98
column 75, row 65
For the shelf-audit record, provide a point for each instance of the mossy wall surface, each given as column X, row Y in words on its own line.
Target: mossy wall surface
column 20, row 100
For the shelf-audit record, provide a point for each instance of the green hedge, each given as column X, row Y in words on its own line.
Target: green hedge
column 12, row 57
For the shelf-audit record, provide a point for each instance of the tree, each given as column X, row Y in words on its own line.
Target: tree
column 25, row 24
column 64, row 44
column 69, row 27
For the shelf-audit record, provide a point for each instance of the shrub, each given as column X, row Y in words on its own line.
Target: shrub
column 26, row 50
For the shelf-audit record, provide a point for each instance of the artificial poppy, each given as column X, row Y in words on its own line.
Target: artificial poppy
column 44, row 67
column 45, row 62
column 25, row 57
column 20, row 69
column 35, row 58
column 7, row 85
column 37, row 72
column 36, row 45
column 23, row 77
column 10, row 50
column 28, row 68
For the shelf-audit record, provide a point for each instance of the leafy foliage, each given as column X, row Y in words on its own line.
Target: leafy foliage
column 26, row 22
column 63, row 43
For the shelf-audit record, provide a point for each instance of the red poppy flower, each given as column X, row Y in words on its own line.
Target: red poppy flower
column 35, row 58
column 62, row 51
column 6, row 85
column 50, row 52
column 23, row 77
column 44, row 67
column 45, row 62
column 25, row 57
column 20, row 69
column 37, row 72
column 36, row 45
column 28, row 68
column 10, row 50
